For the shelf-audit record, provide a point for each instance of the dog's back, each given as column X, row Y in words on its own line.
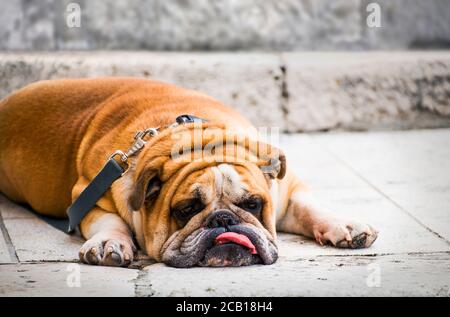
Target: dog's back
column 41, row 128
column 43, row 124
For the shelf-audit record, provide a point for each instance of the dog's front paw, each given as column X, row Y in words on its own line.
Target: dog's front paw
column 110, row 252
column 345, row 234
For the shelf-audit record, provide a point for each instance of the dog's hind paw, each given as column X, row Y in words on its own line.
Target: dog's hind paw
column 346, row 234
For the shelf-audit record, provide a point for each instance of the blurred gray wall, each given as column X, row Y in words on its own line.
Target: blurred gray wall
column 224, row 25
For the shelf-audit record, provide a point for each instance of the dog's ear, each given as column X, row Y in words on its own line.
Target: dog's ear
column 146, row 188
column 277, row 165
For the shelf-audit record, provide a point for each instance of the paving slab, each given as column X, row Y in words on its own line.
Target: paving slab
column 61, row 279
column 412, row 168
column 11, row 210
column 34, row 240
column 398, row 232
column 430, row 205
column 5, row 256
column 315, row 166
column 405, row 275
column 395, row 157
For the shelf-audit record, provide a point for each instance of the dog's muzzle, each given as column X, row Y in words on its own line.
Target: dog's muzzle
column 222, row 241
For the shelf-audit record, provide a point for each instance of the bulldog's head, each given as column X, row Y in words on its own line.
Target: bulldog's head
column 205, row 211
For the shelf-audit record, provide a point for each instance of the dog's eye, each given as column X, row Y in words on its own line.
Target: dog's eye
column 187, row 209
column 253, row 205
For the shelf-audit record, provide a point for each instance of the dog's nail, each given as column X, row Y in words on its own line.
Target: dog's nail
column 116, row 257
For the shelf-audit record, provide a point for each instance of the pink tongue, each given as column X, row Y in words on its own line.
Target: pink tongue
column 236, row 238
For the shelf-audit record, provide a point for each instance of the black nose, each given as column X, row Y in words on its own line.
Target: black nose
column 221, row 218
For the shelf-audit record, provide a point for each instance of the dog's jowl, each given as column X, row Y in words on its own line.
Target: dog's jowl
column 219, row 202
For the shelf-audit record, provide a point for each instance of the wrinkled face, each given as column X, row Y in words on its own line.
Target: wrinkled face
column 224, row 217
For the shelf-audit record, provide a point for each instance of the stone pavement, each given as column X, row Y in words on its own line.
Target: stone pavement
column 397, row 181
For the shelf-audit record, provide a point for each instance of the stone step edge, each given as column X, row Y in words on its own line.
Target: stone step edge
column 310, row 91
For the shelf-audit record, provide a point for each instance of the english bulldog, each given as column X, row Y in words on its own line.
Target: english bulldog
column 181, row 204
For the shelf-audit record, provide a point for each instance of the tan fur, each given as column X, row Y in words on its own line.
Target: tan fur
column 56, row 135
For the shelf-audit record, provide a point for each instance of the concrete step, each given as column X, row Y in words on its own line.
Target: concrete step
column 293, row 91
column 224, row 25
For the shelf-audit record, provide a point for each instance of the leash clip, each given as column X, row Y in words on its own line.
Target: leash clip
column 138, row 144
